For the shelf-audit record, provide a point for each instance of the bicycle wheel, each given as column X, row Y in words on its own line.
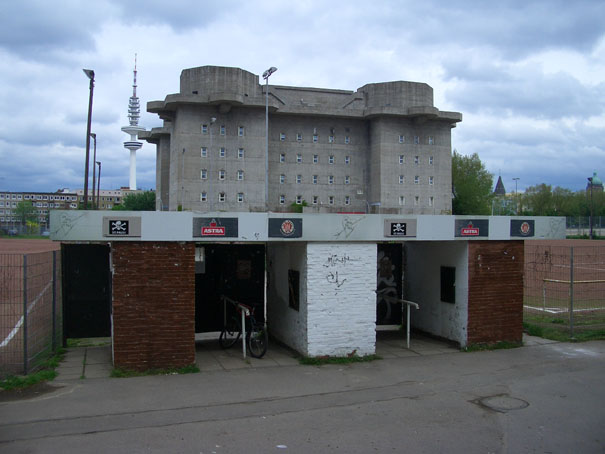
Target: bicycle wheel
column 230, row 334
column 257, row 340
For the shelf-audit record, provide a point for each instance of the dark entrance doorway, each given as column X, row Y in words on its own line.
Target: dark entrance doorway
column 236, row 271
column 86, row 291
column 389, row 283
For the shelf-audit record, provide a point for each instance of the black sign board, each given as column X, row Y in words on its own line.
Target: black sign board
column 215, row 227
column 472, row 228
column 522, row 228
column 119, row 227
column 285, row 228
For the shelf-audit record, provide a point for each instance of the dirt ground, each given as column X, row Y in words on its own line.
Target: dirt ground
column 23, row 246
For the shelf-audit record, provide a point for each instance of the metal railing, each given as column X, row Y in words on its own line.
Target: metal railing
column 393, row 300
column 30, row 310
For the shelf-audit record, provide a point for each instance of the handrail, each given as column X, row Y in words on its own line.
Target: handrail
column 392, row 299
column 244, row 310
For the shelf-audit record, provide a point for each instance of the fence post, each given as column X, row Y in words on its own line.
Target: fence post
column 25, row 315
column 54, row 310
column 571, row 294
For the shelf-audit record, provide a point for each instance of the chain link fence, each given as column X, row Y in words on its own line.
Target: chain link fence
column 580, row 225
column 565, row 286
column 30, row 310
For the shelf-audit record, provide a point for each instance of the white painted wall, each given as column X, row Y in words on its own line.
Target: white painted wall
column 423, row 286
column 286, row 324
column 341, row 303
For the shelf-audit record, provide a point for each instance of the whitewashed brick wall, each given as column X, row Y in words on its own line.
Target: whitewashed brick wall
column 341, row 303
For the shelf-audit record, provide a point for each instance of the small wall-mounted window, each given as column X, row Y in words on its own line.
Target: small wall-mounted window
column 401, row 139
column 240, row 153
column 298, row 179
column 299, row 158
column 347, row 179
column 315, row 138
column 299, row 137
column 347, row 139
column 240, row 175
column 401, row 200
column 416, row 140
column 416, row 200
column 222, row 152
column 347, row 159
column 448, row 284
column 240, row 131
column 331, row 200
column 221, row 197
column 315, row 179
column 401, row 179
column 347, row 200
column 204, row 129
column 331, row 159
column 315, row 158
column 416, row 179
column 221, row 175
column 431, row 181
column 431, row 140
column 416, row 160
column 401, row 159
column 282, row 179
column 240, row 197
column 223, row 130
column 282, row 157
column 204, row 152
column 431, row 201
column 294, row 289
column 282, row 136
column 330, row 139
column 315, row 200
column 282, row 199
column 299, row 199
column 331, row 179
column 431, row 160
column 204, row 174
column 203, row 197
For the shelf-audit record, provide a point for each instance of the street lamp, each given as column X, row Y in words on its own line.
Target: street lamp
column 94, row 159
column 91, row 75
column 98, row 183
column 591, row 205
column 516, row 197
column 266, row 76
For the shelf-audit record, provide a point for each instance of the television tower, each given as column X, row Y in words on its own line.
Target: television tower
column 133, row 129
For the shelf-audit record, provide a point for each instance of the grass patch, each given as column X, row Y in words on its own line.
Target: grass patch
column 322, row 360
column 502, row 345
column 88, row 342
column 556, row 332
column 46, row 373
column 127, row 373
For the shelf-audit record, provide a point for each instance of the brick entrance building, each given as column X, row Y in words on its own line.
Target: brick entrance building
column 326, row 276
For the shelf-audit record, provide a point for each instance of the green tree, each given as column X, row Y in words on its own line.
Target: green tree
column 26, row 211
column 141, row 201
column 472, row 185
column 538, row 200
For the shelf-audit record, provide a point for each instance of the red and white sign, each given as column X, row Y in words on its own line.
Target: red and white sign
column 213, row 230
column 469, row 230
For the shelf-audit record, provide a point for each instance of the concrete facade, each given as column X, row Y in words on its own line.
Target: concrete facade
column 383, row 148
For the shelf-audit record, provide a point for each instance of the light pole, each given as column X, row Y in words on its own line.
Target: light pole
column 94, row 160
column 516, row 197
column 91, row 75
column 591, row 206
column 98, row 184
column 266, row 76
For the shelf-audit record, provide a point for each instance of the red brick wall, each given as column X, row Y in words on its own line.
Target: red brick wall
column 153, row 304
column 495, row 291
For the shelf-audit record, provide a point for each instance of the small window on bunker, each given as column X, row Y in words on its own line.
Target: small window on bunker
column 293, row 289
column 448, row 284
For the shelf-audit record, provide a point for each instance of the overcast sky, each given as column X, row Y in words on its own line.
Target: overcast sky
column 528, row 76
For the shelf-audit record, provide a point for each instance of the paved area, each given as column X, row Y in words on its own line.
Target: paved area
column 545, row 397
column 95, row 361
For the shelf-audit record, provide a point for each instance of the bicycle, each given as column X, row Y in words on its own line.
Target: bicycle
column 257, row 337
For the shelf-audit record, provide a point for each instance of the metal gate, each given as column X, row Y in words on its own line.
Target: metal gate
column 86, row 290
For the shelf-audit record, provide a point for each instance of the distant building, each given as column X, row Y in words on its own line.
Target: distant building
column 108, row 197
column 594, row 183
column 383, row 148
column 43, row 202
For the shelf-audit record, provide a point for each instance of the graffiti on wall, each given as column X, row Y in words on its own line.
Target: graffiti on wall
column 335, row 264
